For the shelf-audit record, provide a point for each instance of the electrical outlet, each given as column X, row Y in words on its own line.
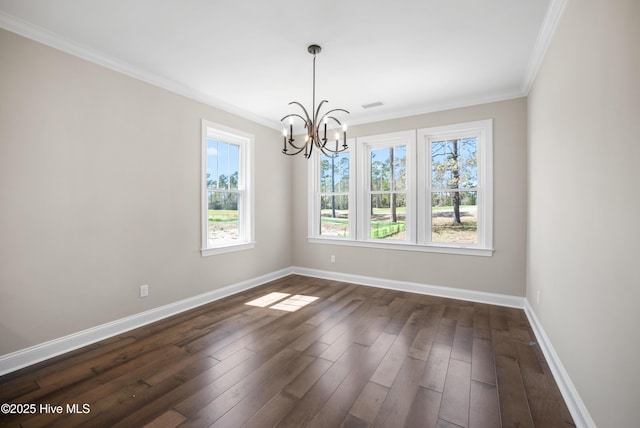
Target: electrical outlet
column 144, row 290
column 333, row 258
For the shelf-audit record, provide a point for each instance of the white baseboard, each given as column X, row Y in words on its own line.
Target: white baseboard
column 35, row 354
column 28, row 356
column 413, row 287
column 579, row 412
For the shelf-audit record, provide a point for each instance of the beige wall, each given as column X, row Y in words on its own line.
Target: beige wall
column 503, row 273
column 583, row 235
column 100, row 193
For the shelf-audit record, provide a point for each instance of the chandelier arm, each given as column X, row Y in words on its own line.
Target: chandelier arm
column 306, row 113
column 335, row 119
column 331, row 153
column 294, row 146
column 337, row 109
column 308, row 154
column 317, row 113
column 296, row 115
column 292, row 154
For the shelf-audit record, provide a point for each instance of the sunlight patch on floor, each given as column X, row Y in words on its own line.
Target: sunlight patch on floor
column 292, row 304
column 268, row 299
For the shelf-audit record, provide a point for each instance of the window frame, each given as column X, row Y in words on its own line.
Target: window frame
column 245, row 191
column 365, row 146
column 418, row 183
column 314, row 203
column 483, row 131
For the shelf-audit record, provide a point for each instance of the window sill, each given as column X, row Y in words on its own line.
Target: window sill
column 227, row 249
column 468, row 251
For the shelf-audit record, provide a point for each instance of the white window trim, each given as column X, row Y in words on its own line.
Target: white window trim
column 483, row 129
column 313, row 202
column 365, row 145
column 418, row 154
column 246, row 225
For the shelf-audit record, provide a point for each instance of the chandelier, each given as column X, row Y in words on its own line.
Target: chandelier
column 313, row 125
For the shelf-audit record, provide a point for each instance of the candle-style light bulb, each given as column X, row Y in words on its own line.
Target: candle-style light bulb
column 325, row 128
column 291, row 128
column 306, row 146
column 284, row 139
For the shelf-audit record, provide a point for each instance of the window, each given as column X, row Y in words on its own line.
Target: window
column 227, row 195
column 426, row 190
column 456, row 182
column 386, row 201
column 332, row 190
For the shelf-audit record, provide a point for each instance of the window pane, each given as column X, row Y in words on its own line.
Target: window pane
column 334, row 215
column 388, row 216
column 233, row 167
column 334, row 173
column 212, row 164
column 222, row 221
column 389, row 168
column 380, row 169
column 400, row 168
column 454, row 164
column 454, row 217
column 222, row 165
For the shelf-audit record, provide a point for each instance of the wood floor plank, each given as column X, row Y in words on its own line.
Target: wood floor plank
column 206, row 415
column 435, row 372
column 338, row 405
column 424, row 409
column 389, row 367
column 273, row 412
column 483, row 365
column 466, row 316
column 514, row 406
column 351, row 421
column 481, row 323
column 357, row 356
column 368, row 403
column 299, row 386
column 333, row 318
column 169, row 419
column 307, row 407
column 165, row 394
column 462, row 344
column 396, row 406
column 545, row 401
column 222, row 377
column 456, row 395
column 484, row 408
column 253, row 394
column 446, row 331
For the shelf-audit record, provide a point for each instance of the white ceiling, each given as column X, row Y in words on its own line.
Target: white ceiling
column 250, row 57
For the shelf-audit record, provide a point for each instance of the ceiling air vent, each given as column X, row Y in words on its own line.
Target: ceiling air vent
column 372, row 105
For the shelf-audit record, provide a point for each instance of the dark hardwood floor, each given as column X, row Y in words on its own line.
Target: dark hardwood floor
column 355, row 357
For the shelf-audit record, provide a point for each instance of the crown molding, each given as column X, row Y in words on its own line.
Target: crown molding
column 56, row 41
column 548, row 29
